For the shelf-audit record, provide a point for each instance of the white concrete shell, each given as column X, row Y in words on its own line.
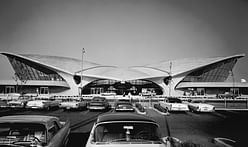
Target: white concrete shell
column 68, row 67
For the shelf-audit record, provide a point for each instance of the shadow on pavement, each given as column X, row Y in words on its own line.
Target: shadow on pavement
column 78, row 139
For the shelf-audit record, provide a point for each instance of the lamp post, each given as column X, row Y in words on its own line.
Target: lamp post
column 233, row 80
column 170, row 80
column 81, row 83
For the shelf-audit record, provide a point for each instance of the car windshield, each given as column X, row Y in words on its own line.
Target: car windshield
column 22, row 133
column 127, row 132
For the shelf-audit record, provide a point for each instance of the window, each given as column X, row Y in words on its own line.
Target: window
column 9, row 89
column 44, row 90
column 234, row 91
column 200, row 91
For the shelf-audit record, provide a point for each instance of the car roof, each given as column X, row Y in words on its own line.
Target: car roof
column 41, row 119
column 123, row 116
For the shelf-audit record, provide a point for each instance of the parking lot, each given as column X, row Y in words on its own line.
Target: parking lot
column 199, row 128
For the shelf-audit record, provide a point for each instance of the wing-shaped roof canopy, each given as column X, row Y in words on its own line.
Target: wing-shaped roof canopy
column 90, row 69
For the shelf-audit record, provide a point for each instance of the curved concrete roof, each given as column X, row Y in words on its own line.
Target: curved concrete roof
column 184, row 65
column 161, row 69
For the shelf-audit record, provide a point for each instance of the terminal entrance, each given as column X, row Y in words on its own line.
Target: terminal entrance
column 134, row 87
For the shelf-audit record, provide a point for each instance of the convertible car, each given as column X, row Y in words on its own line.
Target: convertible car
column 33, row 131
column 127, row 129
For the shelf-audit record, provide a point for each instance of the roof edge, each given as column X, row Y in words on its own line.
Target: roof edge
column 48, row 66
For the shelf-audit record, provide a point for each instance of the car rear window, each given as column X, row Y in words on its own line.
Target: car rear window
column 137, row 131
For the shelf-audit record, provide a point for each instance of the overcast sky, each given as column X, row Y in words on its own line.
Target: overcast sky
column 125, row 32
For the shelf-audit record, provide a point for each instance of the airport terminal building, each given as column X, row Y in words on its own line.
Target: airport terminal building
column 63, row 76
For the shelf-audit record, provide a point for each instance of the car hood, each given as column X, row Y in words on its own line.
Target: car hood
column 69, row 103
column 38, row 102
column 202, row 105
column 16, row 102
column 178, row 105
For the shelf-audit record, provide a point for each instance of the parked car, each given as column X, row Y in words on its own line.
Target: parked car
column 3, row 104
column 127, row 129
column 124, row 107
column 18, row 103
column 98, row 103
column 199, row 105
column 224, row 142
column 42, row 104
column 33, row 131
column 73, row 104
column 174, row 104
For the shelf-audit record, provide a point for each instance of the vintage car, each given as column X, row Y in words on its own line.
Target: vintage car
column 224, row 142
column 127, row 129
column 174, row 104
column 42, row 104
column 33, row 131
column 121, row 106
column 98, row 103
column 199, row 105
column 3, row 104
column 18, row 103
column 73, row 104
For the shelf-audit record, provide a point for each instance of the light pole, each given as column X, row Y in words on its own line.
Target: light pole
column 170, row 78
column 233, row 82
column 81, row 83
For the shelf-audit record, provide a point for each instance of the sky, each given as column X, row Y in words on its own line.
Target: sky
column 125, row 32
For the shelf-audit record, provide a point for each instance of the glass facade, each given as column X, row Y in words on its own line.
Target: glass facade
column 217, row 72
column 26, row 70
column 134, row 87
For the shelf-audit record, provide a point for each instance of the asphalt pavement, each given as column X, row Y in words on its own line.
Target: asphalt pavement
column 199, row 128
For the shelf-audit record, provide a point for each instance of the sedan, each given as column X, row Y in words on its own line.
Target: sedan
column 199, row 105
column 98, row 103
column 3, row 104
column 174, row 104
column 124, row 107
column 128, row 129
column 33, row 131
column 20, row 103
column 73, row 104
column 42, row 104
